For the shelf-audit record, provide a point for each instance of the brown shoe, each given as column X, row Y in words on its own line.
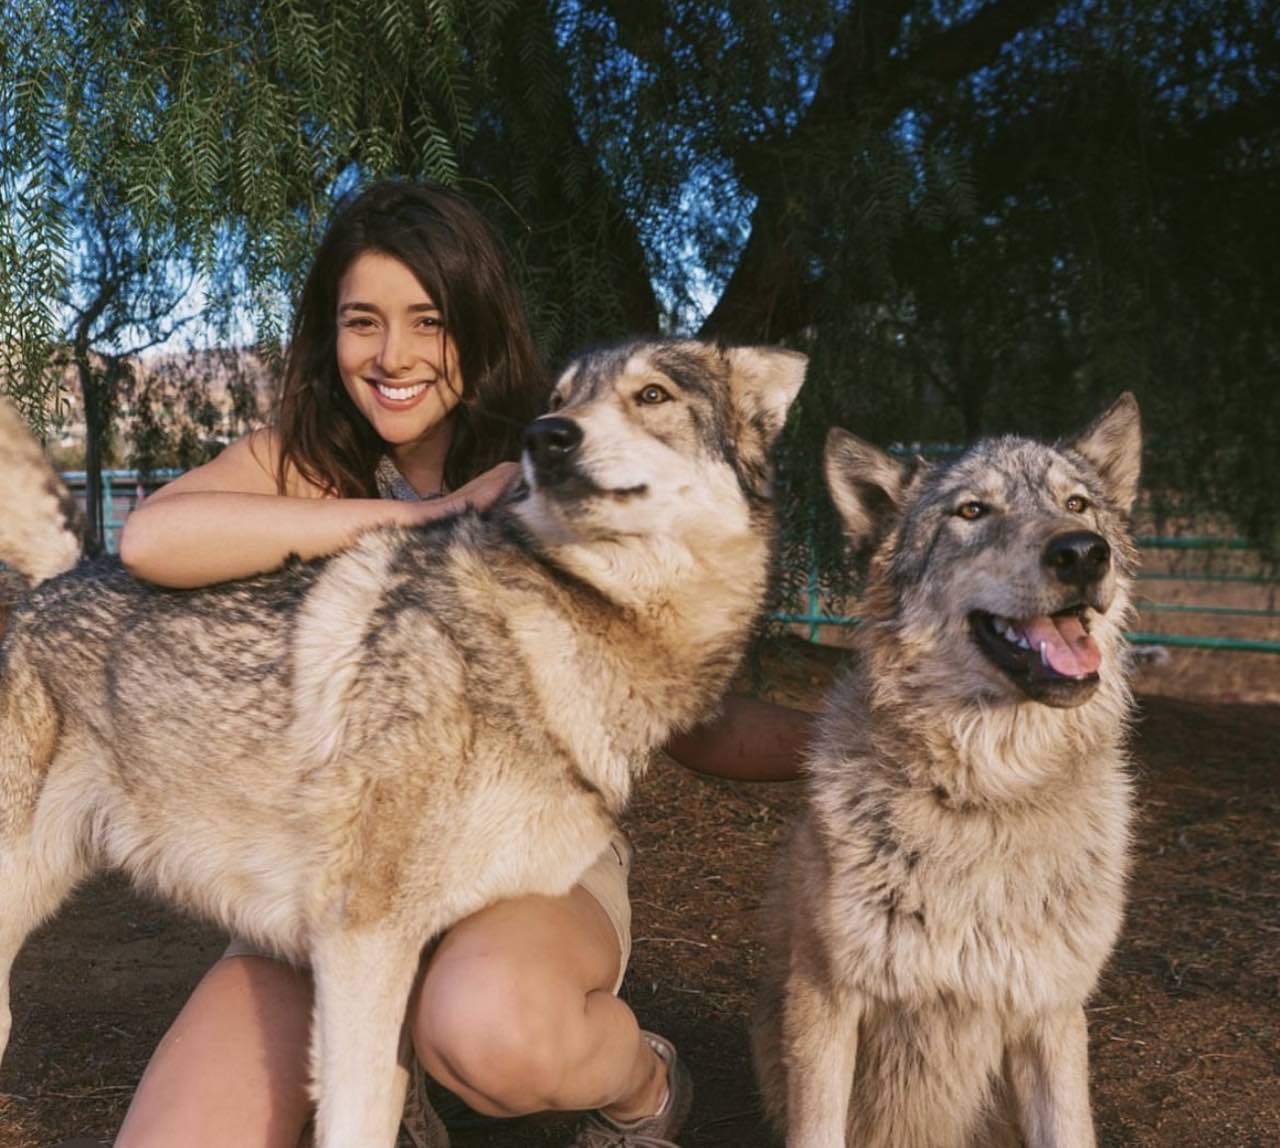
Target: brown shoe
column 603, row 1131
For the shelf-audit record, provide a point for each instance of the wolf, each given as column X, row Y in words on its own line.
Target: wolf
column 956, row 879
column 340, row 759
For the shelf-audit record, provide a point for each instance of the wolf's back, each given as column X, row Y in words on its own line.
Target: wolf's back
column 40, row 525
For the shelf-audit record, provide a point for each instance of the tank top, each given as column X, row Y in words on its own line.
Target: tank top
column 392, row 484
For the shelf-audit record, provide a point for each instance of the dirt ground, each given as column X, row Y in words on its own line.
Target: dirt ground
column 1185, row 1028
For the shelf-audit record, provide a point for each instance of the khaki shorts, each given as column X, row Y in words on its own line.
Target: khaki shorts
column 605, row 879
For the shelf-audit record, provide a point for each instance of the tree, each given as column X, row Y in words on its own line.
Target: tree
column 124, row 298
column 973, row 215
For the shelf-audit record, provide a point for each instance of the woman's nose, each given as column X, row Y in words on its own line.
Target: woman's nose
column 396, row 353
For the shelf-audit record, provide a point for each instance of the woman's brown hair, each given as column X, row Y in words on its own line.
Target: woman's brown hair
column 450, row 249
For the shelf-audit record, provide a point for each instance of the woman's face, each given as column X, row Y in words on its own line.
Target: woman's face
column 396, row 360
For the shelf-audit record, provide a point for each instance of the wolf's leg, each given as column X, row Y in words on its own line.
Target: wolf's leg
column 1048, row 1071
column 362, row 983
column 41, row 852
column 820, row 1047
column 38, row 868
column 766, row 1050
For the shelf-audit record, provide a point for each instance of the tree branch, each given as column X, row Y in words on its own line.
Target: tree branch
column 769, row 292
column 174, row 328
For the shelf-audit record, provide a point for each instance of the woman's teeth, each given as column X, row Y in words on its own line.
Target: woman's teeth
column 400, row 394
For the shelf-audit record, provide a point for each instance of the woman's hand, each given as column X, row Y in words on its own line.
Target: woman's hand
column 751, row 740
column 478, row 494
column 485, row 489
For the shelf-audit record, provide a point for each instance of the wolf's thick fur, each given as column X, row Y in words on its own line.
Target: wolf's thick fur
column 949, row 897
column 45, row 537
column 340, row 759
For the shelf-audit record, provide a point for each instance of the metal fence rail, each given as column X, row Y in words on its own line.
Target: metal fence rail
column 120, row 493
column 122, row 489
column 814, row 617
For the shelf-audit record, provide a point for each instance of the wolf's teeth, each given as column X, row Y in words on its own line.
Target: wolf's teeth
column 1006, row 628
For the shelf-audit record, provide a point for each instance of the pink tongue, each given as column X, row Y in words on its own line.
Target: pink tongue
column 1063, row 644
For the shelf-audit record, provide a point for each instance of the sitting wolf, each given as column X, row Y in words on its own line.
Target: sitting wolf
column 948, row 899
column 339, row 760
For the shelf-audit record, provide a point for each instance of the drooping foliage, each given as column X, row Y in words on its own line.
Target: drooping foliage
column 973, row 216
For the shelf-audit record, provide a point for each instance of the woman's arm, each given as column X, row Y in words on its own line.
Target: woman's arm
column 194, row 538
column 225, row 519
column 750, row 740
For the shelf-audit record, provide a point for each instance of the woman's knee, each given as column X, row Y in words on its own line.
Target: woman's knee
column 505, row 1044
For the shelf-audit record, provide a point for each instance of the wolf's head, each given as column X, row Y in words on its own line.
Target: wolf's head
column 1002, row 574
column 664, row 441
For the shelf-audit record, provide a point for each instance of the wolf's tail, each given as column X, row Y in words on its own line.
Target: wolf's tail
column 41, row 527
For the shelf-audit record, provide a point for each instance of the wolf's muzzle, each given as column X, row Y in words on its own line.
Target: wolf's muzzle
column 1078, row 558
column 551, row 444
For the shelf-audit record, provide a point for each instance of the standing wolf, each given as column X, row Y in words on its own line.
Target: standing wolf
column 340, row 759
column 949, row 897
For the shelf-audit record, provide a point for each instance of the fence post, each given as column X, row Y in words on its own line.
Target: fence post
column 106, row 512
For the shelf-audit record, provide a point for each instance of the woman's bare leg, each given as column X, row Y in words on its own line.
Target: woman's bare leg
column 516, row 1013
column 232, row 1069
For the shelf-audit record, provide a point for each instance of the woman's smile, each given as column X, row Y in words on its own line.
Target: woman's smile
column 398, row 396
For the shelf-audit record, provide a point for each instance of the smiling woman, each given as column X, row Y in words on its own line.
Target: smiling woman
column 404, row 292
column 399, row 364
column 411, row 374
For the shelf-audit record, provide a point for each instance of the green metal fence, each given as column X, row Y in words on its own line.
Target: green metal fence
column 122, row 489
column 120, row 493
column 814, row 617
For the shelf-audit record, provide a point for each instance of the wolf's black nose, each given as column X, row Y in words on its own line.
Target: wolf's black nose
column 551, row 442
column 1078, row 557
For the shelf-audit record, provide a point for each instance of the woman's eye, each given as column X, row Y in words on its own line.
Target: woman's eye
column 359, row 324
column 653, row 394
column 1077, row 504
column 970, row 511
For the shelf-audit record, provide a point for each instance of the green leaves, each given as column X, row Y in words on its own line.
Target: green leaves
column 973, row 216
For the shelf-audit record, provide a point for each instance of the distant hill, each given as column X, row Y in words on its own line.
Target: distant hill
column 174, row 409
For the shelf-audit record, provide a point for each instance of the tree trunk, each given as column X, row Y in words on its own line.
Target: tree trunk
column 94, row 426
column 772, row 284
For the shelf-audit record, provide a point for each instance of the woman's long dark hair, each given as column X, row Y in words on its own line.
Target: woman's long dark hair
column 448, row 246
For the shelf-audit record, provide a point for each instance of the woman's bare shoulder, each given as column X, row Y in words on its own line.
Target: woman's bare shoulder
column 249, row 465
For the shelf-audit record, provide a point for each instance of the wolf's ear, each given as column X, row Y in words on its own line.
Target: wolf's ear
column 1113, row 444
column 765, row 381
column 865, row 484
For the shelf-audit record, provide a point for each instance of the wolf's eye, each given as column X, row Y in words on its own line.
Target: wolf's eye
column 1077, row 504
column 970, row 511
column 556, row 401
column 653, row 394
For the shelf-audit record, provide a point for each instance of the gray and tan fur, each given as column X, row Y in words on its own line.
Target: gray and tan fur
column 45, row 537
column 340, row 759
column 950, row 894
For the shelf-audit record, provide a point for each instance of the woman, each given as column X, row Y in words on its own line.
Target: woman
column 410, row 376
